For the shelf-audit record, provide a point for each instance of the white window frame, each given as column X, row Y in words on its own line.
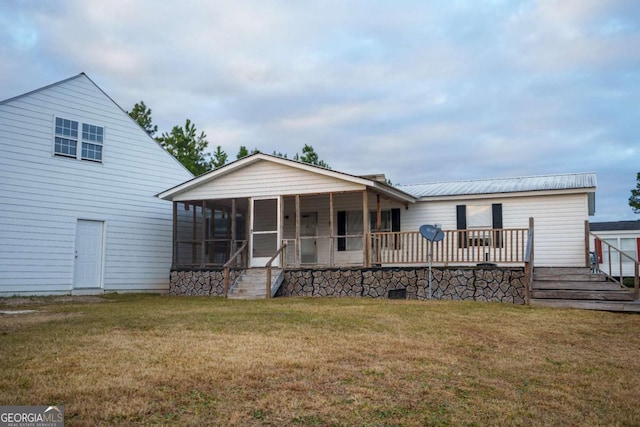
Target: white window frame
column 479, row 216
column 79, row 139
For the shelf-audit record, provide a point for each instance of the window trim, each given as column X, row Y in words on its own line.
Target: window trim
column 80, row 141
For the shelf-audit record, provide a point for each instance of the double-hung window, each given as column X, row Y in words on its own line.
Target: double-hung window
column 66, row 139
column 68, row 136
column 92, row 139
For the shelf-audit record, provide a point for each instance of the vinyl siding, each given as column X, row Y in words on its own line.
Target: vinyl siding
column 559, row 222
column 42, row 196
column 265, row 178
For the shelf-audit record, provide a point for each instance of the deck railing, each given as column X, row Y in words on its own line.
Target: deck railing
column 280, row 253
column 608, row 271
column 239, row 259
column 470, row 246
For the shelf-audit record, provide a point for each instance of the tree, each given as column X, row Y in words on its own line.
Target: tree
column 311, row 157
column 242, row 152
column 142, row 114
column 219, row 158
column 188, row 147
column 634, row 200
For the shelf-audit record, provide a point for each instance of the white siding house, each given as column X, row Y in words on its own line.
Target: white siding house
column 78, row 178
column 330, row 218
column 559, row 204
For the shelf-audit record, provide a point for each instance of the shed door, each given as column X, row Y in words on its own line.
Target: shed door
column 265, row 225
column 88, row 256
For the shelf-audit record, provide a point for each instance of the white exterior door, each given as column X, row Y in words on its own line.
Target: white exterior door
column 265, row 231
column 88, row 256
column 308, row 228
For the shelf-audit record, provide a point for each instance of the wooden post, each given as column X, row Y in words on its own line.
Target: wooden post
column 636, row 281
column 587, row 260
column 226, row 281
column 331, row 256
column 174, row 262
column 298, row 242
column 203, row 233
column 233, row 228
column 531, row 262
column 194, row 234
column 378, row 214
column 365, row 228
column 269, row 281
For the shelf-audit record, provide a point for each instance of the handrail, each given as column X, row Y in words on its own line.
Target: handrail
column 227, row 266
column 268, row 265
column 621, row 254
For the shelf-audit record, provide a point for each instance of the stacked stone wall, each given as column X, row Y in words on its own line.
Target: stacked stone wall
column 478, row 284
column 199, row 282
column 466, row 283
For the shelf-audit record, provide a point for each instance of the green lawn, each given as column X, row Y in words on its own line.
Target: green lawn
column 149, row 359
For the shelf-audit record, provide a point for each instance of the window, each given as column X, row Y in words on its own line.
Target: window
column 92, row 137
column 479, row 216
column 350, row 224
column 469, row 217
column 66, row 140
column 627, row 245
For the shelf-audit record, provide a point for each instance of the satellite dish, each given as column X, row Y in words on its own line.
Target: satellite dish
column 431, row 233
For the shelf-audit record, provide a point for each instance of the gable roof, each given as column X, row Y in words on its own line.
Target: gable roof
column 615, row 226
column 84, row 76
column 376, row 186
column 521, row 184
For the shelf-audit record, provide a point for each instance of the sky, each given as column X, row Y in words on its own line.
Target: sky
column 422, row 91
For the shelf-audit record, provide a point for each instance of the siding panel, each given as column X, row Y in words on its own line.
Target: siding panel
column 559, row 222
column 42, row 196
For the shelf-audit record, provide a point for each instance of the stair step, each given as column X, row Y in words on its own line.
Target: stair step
column 581, row 277
column 561, row 270
column 575, row 285
column 588, row 305
column 618, row 295
column 252, row 284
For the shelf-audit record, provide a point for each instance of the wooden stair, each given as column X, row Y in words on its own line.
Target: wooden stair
column 579, row 288
column 252, row 283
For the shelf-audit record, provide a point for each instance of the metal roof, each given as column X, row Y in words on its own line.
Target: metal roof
column 502, row 185
column 615, row 226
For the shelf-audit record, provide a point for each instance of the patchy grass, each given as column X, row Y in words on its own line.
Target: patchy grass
column 149, row 359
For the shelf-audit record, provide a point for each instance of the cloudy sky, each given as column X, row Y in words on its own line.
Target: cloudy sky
column 420, row 90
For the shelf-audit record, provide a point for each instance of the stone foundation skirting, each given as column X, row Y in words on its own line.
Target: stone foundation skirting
column 498, row 284
column 453, row 283
column 199, row 282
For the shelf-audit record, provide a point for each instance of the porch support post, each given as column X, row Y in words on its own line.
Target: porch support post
column 232, row 246
column 298, row 243
column 587, row 260
column 203, row 233
column 331, row 244
column 378, row 214
column 174, row 262
column 365, row 228
column 194, row 234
